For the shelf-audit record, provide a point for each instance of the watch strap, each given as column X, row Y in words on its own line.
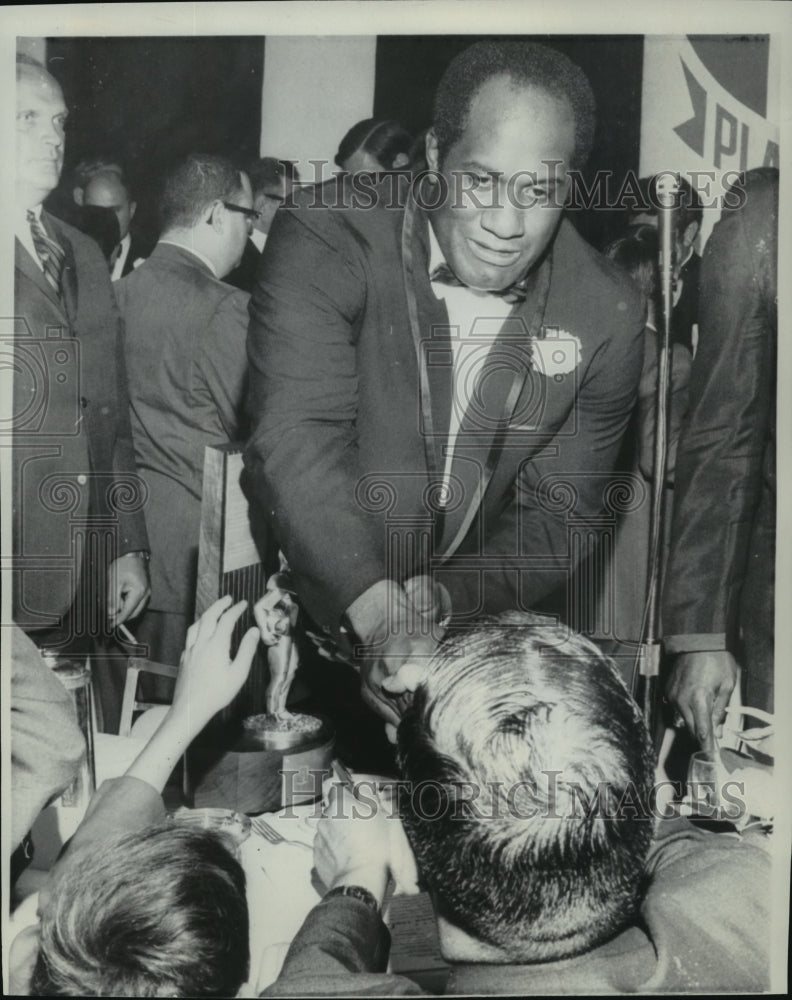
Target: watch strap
column 356, row 892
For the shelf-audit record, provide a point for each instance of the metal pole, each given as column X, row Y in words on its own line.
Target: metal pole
column 667, row 192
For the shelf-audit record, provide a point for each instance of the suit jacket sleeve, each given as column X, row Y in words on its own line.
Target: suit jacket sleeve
column 221, row 362
column 98, row 327
column 132, row 524
column 302, row 457
column 119, row 806
column 570, row 475
column 720, row 458
column 340, row 950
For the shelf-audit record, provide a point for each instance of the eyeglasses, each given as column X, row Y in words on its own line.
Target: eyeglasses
column 249, row 213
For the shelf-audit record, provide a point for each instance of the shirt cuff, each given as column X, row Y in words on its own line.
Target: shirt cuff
column 695, row 642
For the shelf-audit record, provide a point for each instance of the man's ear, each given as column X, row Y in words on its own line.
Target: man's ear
column 432, row 152
column 690, row 234
column 132, row 210
column 215, row 216
column 79, row 196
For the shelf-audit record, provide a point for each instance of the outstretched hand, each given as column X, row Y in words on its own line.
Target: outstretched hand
column 208, row 678
column 700, row 687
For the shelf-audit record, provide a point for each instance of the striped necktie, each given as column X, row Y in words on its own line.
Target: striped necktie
column 49, row 252
column 445, row 276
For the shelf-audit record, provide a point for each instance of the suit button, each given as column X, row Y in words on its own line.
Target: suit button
column 83, row 402
column 82, row 480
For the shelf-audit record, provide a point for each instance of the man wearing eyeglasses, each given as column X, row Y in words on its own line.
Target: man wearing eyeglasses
column 185, row 354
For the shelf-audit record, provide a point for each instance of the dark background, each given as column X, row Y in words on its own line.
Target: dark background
column 148, row 101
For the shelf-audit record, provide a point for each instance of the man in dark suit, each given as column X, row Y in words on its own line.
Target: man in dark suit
column 79, row 538
column 719, row 594
column 687, row 263
column 109, row 189
column 185, row 354
column 440, row 382
column 272, row 182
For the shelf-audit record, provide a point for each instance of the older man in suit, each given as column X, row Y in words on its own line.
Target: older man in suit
column 79, row 537
column 440, row 383
column 185, row 353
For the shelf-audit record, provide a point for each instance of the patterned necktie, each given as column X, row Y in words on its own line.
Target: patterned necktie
column 514, row 293
column 49, row 252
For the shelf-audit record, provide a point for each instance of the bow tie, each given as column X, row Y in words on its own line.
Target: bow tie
column 514, row 293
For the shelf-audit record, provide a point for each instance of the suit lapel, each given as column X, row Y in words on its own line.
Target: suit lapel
column 429, row 327
column 31, row 270
column 485, row 423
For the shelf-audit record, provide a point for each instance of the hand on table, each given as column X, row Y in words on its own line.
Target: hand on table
column 356, row 845
column 699, row 688
column 128, row 588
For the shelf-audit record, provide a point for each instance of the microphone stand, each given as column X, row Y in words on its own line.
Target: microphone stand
column 650, row 649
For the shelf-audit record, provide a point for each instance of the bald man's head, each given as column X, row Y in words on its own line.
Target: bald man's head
column 107, row 190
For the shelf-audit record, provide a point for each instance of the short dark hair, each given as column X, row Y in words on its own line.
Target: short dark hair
column 637, row 253
column 687, row 201
column 267, row 174
column 526, row 64
column 382, row 139
column 195, row 184
column 161, row 912
column 515, row 701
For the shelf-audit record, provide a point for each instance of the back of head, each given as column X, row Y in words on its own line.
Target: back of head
column 526, row 64
column 529, row 770
column 385, row 141
column 157, row 913
column 194, row 185
column 637, row 254
column 270, row 176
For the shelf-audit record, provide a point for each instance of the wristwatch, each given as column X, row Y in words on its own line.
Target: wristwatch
column 356, row 892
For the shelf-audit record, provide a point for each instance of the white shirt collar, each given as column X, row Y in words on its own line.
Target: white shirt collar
column 436, row 255
column 23, row 234
column 259, row 239
column 192, row 250
column 120, row 260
